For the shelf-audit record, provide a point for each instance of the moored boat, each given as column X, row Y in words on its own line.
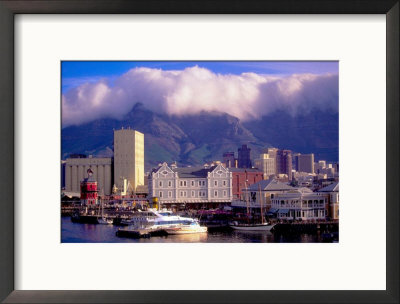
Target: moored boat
column 164, row 222
column 105, row 221
column 263, row 226
column 252, row 227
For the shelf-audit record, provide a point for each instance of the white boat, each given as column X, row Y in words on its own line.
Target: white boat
column 175, row 224
column 104, row 221
column 187, row 228
column 153, row 220
column 140, row 219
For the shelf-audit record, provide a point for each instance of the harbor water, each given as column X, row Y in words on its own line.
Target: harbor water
column 95, row 233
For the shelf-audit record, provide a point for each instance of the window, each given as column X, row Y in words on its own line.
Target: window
column 160, row 194
column 192, row 193
column 181, row 183
column 160, row 183
column 192, row 183
column 184, row 183
column 224, row 183
column 169, row 184
column 169, row 193
column 215, row 183
column 215, row 193
column 225, row 193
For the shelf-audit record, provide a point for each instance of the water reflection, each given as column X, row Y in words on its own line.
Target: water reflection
column 91, row 233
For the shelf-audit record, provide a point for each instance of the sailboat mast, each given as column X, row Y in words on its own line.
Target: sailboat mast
column 261, row 206
column 247, row 200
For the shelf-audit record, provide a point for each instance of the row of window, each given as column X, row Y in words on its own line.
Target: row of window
column 184, row 183
column 193, row 193
column 296, row 203
column 304, row 214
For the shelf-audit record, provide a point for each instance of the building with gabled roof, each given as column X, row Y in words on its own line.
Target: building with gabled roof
column 332, row 193
column 267, row 188
column 334, row 187
column 194, row 186
column 299, row 203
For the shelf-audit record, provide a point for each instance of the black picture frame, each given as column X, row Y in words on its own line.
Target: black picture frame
column 8, row 9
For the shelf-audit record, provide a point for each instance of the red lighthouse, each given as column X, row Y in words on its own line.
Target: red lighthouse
column 89, row 190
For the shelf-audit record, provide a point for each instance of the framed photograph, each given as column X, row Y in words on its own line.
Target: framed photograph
column 190, row 152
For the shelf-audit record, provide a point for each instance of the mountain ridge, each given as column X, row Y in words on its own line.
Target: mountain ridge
column 199, row 138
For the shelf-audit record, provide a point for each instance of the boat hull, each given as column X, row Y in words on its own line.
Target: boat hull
column 252, row 227
column 177, row 231
column 105, row 221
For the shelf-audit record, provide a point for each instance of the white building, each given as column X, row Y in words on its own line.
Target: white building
column 300, row 203
column 128, row 158
column 266, row 164
column 76, row 171
column 191, row 184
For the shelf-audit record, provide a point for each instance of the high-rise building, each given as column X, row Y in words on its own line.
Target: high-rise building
column 283, row 162
column 244, row 160
column 296, row 161
column 306, row 163
column 128, row 158
column 266, row 164
column 229, row 159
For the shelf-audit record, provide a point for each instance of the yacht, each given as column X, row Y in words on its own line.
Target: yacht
column 104, row 221
column 154, row 220
column 174, row 224
column 140, row 219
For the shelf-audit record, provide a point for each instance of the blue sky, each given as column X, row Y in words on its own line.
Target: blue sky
column 75, row 73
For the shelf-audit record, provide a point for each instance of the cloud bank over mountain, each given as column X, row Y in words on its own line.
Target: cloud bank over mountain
column 195, row 89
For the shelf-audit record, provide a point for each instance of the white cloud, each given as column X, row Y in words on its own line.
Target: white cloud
column 196, row 89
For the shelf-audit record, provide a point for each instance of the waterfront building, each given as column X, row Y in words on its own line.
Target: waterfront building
column 192, row 186
column 76, row 168
column 229, row 159
column 244, row 160
column 268, row 190
column 88, row 189
column 306, row 163
column 332, row 195
column 266, row 164
column 300, row 203
column 243, row 178
column 128, row 158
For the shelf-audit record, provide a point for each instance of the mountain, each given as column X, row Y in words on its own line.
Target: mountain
column 196, row 139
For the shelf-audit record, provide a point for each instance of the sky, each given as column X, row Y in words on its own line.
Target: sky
column 245, row 89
